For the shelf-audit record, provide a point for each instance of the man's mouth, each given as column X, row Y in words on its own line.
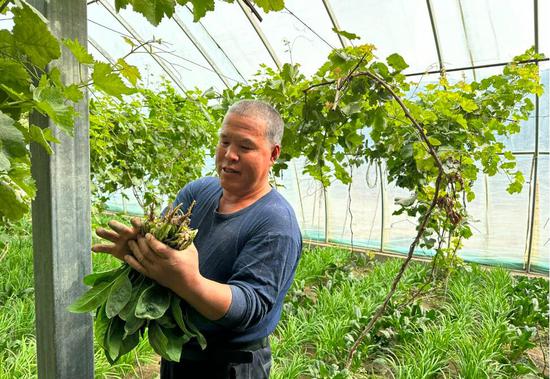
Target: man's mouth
column 229, row 170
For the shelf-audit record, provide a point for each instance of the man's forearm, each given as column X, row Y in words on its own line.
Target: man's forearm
column 211, row 299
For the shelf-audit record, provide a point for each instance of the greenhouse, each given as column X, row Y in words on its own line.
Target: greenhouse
column 396, row 226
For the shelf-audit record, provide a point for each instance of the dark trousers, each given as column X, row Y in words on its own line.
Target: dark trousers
column 219, row 368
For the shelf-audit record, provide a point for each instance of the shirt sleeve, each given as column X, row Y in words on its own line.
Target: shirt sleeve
column 263, row 271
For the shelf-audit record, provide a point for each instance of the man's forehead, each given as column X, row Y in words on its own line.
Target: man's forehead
column 235, row 123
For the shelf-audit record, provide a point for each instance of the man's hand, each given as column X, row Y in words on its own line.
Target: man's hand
column 120, row 235
column 169, row 267
column 179, row 271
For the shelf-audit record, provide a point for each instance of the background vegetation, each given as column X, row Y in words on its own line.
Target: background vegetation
column 480, row 323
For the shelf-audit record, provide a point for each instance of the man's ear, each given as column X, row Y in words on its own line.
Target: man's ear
column 275, row 152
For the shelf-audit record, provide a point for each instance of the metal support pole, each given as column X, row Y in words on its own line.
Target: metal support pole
column 101, row 50
column 61, row 220
column 434, row 32
column 382, row 207
column 334, row 20
column 260, row 33
column 487, row 204
column 299, row 194
column 179, row 22
column 532, row 221
column 325, row 194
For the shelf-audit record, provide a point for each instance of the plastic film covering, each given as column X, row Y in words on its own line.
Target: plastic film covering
column 182, row 58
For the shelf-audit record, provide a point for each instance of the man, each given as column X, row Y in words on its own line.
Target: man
column 244, row 256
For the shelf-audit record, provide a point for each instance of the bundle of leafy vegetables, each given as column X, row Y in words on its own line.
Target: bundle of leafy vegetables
column 127, row 303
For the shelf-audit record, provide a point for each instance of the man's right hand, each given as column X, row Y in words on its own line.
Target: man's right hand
column 120, row 235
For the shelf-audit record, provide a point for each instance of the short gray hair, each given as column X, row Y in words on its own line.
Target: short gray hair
column 264, row 111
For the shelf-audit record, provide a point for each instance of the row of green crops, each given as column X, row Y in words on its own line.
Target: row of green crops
column 480, row 324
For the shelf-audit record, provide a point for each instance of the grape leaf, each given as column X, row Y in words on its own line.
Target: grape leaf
column 73, row 93
column 7, row 43
column 37, row 135
column 397, row 62
column 12, row 142
column 109, row 82
column 33, row 37
column 50, row 100
column 153, row 10
column 348, row 35
column 270, row 5
column 130, row 72
column 12, row 205
column 200, row 7
column 14, row 75
column 79, row 51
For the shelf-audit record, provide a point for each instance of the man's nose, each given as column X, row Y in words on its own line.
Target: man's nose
column 231, row 153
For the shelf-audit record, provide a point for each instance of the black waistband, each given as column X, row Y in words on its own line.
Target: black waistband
column 213, row 344
column 218, row 350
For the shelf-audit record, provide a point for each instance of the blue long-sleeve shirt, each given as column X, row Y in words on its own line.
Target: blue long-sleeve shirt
column 254, row 250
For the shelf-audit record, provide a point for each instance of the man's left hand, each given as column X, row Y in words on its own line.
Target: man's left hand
column 169, row 267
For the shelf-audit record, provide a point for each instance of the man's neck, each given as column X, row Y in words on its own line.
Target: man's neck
column 230, row 203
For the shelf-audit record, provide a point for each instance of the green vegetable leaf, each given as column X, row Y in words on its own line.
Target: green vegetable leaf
column 98, row 277
column 132, row 324
column 101, row 324
column 175, row 342
column 109, row 82
column 113, row 339
column 119, row 295
column 153, row 302
column 128, row 343
column 195, row 332
column 33, row 37
column 92, row 299
column 175, row 307
column 79, row 51
column 163, row 345
column 138, row 286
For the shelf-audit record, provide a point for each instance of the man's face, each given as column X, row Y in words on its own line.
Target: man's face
column 244, row 155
